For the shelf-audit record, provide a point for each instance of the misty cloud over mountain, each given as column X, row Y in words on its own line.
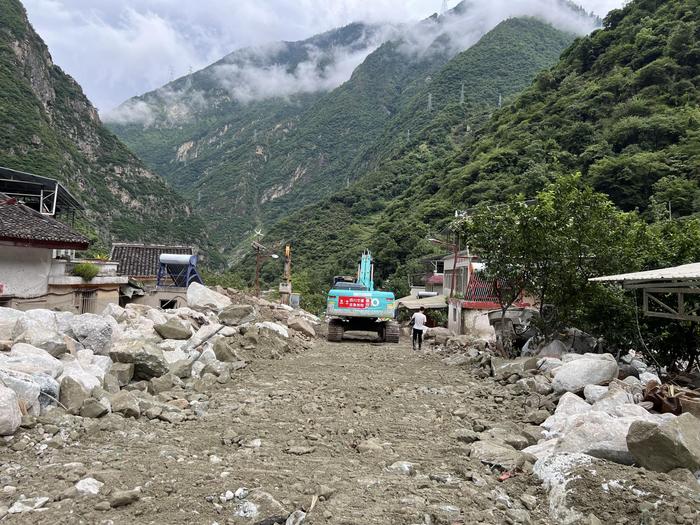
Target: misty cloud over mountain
column 267, row 71
column 116, row 50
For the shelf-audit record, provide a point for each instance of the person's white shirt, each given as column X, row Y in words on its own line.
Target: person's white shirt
column 419, row 319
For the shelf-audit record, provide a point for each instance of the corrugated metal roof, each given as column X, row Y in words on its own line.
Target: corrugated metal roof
column 13, row 181
column 410, row 302
column 675, row 273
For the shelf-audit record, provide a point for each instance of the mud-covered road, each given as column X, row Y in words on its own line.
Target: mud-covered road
column 365, row 433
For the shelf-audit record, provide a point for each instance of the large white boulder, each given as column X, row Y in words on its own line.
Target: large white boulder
column 40, row 328
column 114, row 311
column 29, row 359
column 24, row 386
column 275, row 327
column 87, row 376
column 10, row 415
column 204, row 334
column 93, row 332
column 588, row 369
column 8, row 320
column 201, row 298
column 600, row 434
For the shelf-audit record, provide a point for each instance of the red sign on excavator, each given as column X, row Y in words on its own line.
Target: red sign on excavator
column 346, row 301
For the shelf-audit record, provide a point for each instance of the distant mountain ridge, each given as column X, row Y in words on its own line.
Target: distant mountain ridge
column 245, row 162
column 49, row 127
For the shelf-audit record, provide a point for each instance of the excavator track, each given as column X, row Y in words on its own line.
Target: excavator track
column 335, row 331
column 392, row 331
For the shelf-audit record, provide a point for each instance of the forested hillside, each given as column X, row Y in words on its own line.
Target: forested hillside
column 328, row 236
column 222, row 135
column 262, row 133
column 621, row 106
column 48, row 127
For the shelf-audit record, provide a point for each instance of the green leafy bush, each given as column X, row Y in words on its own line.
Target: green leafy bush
column 87, row 271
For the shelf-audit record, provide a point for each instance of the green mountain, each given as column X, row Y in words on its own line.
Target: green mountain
column 48, row 127
column 621, row 106
column 222, row 135
column 327, row 236
column 248, row 142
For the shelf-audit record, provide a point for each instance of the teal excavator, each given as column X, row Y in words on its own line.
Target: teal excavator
column 354, row 305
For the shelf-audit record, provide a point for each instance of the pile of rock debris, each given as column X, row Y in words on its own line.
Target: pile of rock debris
column 589, row 409
column 138, row 361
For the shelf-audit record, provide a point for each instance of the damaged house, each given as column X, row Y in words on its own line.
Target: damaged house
column 38, row 252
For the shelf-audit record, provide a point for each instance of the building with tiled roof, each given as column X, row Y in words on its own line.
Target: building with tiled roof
column 37, row 251
column 22, row 226
column 141, row 261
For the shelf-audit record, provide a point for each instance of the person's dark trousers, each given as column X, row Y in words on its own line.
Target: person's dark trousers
column 417, row 336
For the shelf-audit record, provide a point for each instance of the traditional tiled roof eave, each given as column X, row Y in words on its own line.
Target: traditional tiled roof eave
column 23, row 226
column 141, row 261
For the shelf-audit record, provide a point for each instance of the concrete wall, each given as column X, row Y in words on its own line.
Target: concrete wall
column 469, row 322
column 476, row 322
column 66, row 299
column 154, row 297
column 25, row 271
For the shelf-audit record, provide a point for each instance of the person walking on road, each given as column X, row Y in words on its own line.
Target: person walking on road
column 418, row 321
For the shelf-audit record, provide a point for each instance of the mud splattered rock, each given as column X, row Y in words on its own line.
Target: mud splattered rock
column 126, row 404
column 503, row 368
column 122, row 372
column 664, row 447
column 10, row 415
column 300, row 325
column 121, row 498
column 237, row 314
column 94, row 408
column 148, row 359
column 465, row 435
column 173, row 329
column 72, row 394
column 369, row 446
column 299, row 450
column 405, row 468
column 499, row 455
column 589, row 369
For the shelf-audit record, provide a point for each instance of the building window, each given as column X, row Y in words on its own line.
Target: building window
column 168, row 304
column 86, row 301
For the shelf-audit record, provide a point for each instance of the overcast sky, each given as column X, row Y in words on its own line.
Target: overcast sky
column 120, row 48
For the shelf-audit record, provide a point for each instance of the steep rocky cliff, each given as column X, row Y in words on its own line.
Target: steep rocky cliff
column 49, row 127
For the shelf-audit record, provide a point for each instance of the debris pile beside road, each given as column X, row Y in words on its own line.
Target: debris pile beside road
column 137, row 361
column 589, row 408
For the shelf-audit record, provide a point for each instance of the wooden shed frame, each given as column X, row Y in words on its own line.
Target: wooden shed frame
column 664, row 291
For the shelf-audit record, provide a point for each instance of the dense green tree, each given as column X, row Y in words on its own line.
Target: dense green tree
column 552, row 247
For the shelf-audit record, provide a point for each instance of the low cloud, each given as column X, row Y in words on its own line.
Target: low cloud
column 322, row 71
column 119, row 49
column 462, row 28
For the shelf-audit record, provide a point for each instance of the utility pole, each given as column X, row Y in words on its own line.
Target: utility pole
column 430, row 102
column 286, row 284
column 461, row 95
column 260, row 252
